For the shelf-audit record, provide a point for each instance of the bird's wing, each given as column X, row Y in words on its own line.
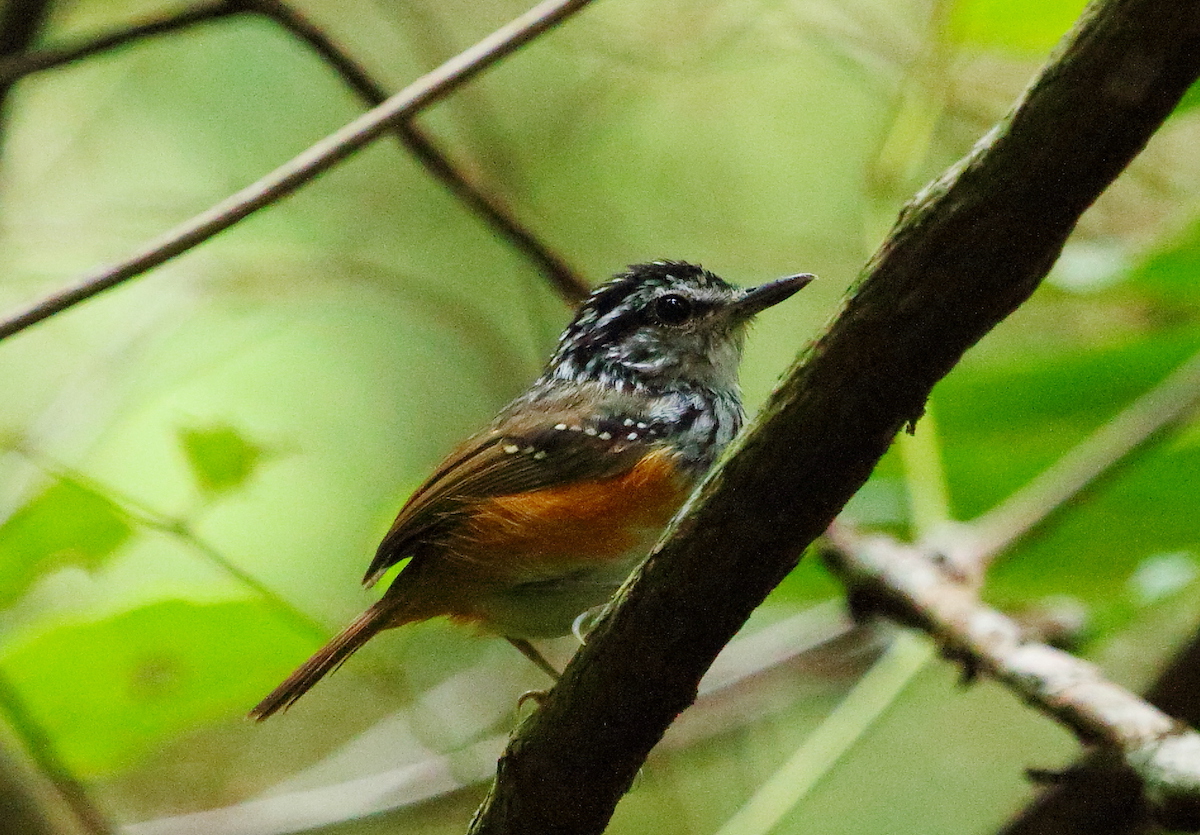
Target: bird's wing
column 526, row 449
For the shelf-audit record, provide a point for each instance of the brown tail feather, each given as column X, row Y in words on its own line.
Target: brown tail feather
column 327, row 659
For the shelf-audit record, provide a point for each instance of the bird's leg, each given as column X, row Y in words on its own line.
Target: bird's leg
column 527, row 649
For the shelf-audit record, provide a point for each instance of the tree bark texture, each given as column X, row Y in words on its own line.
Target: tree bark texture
column 967, row 250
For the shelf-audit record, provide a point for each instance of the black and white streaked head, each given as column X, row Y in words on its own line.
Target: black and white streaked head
column 662, row 326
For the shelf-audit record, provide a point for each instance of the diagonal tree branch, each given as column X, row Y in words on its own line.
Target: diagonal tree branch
column 15, row 67
column 569, row 284
column 912, row 585
column 935, row 585
column 965, row 253
column 304, row 168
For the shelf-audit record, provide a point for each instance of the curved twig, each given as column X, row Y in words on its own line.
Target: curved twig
column 16, row 67
column 569, row 284
column 303, row 168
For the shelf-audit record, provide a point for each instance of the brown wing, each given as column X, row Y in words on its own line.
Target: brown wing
column 527, row 448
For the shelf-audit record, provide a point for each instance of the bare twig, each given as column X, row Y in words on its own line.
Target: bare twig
column 15, row 67
column 966, row 252
column 303, row 168
column 561, row 276
column 912, row 585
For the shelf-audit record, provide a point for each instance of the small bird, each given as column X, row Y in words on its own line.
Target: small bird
column 543, row 514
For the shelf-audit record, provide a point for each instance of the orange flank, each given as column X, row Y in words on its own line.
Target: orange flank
column 608, row 520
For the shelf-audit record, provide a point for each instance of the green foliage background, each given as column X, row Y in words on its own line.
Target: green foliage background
column 197, row 466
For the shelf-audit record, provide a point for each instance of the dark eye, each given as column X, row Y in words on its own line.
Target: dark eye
column 672, row 309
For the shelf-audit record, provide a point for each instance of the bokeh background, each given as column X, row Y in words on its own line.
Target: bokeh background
column 195, row 468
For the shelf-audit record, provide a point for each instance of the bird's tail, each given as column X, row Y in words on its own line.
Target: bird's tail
column 327, row 659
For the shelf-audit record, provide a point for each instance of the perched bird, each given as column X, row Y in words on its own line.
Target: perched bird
column 540, row 516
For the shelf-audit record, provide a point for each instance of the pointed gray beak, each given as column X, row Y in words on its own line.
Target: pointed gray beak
column 756, row 299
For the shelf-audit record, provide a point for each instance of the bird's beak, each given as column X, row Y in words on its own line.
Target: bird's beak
column 756, row 299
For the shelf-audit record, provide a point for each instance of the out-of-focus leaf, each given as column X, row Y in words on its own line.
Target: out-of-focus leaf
column 1163, row 575
column 1171, row 274
column 1004, row 426
column 66, row 523
column 1019, row 26
column 221, row 458
column 107, row 691
column 1190, row 100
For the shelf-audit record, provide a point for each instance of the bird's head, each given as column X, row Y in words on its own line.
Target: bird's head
column 663, row 325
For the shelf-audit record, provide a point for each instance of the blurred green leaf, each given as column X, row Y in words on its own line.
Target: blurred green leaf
column 66, row 524
column 1019, row 26
column 108, row 691
column 221, row 458
column 1171, row 273
column 1190, row 100
column 1003, row 425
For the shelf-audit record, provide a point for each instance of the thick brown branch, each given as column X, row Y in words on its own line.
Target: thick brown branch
column 304, row 168
column 968, row 250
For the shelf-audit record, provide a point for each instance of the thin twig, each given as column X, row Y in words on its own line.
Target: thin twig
column 15, row 67
column 568, row 283
column 562, row 277
column 913, row 586
column 916, row 585
column 305, row 167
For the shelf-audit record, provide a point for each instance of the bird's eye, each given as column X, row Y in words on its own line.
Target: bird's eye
column 672, row 309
